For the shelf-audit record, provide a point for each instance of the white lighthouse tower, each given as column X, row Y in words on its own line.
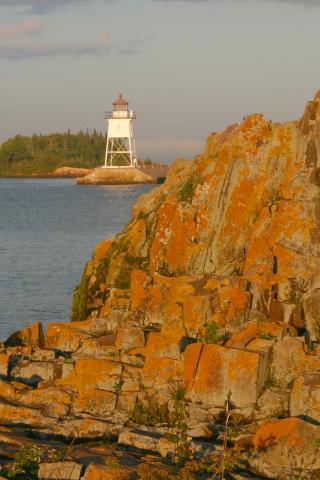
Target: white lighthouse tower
column 121, row 147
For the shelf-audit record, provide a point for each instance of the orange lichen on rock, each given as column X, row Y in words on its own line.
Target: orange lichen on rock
column 271, row 432
column 220, row 374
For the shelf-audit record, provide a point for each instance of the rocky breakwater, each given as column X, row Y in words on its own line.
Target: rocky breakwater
column 115, row 176
column 204, row 313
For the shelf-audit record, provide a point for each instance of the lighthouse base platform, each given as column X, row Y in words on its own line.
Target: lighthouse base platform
column 116, row 176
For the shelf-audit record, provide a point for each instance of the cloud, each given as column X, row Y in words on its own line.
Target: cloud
column 20, row 30
column 32, row 50
column 136, row 45
column 44, row 6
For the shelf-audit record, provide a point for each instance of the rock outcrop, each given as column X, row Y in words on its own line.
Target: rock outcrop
column 71, row 172
column 115, row 176
column 210, row 294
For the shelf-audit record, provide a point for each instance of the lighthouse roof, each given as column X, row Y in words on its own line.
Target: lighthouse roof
column 120, row 101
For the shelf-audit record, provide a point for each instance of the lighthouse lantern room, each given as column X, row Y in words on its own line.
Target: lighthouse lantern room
column 121, row 148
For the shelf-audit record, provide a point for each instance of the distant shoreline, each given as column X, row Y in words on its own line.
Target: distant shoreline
column 43, row 176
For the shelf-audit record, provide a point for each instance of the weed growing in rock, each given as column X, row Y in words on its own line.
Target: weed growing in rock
column 267, row 336
column 142, row 215
column 150, row 414
column 298, row 287
column 179, row 428
column 270, row 382
column 217, row 463
column 211, row 334
column 187, row 190
column 26, row 463
column 117, row 387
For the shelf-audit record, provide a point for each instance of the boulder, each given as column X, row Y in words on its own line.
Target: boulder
column 273, row 403
column 286, row 448
column 305, row 397
column 66, row 337
column 285, row 355
column 99, row 472
column 129, row 337
column 4, row 363
column 92, row 374
column 34, row 372
column 60, row 471
column 256, row 329
column 214, row 374
column 30, row 336
column 143, row 438
column 98, row 403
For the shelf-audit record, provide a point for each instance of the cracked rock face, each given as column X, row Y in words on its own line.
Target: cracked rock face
column 210, row 287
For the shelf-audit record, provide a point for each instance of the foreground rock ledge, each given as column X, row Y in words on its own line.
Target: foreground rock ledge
column 210, row 293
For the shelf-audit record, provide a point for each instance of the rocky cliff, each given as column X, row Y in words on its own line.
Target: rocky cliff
column 210, row 297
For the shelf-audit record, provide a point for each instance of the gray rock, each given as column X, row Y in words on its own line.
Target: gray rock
column 60, row 471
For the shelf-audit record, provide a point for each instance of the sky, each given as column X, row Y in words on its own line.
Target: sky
column 187, row 67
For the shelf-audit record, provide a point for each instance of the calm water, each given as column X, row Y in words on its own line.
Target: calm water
column 48, row 230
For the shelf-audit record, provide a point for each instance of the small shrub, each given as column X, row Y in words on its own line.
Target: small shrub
column 26, row 463
column 179, row 428
column 178, row 391
column 298, row 287
column 118, row 386
column 270, row 382
column 187, row 190
column 150, row 414
column 142, row 215
column 211, row 334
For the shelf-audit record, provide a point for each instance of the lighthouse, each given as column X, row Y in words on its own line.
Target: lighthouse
column 121, row 147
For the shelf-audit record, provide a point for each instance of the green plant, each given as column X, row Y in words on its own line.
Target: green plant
column 270, row 382
column 179, row 428
column 267, row 336
column 187, row 190
column 236, row 425
column 142, row 215
column 217, row 463
column 211, row 334
column 118, row 386
column 150, row 414
column 298, row 287
column 79, row 309
column 26, row 463
column 178, row 391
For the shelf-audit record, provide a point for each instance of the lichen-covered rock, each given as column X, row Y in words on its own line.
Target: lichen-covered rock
column 4, row 364
column 214, row 374
column 31, row 336
column 99, row 472
column 60, row 471
column 286, row 448
column 305, row 397
column 210, row 294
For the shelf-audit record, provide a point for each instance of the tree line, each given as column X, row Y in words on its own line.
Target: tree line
column 41, row 154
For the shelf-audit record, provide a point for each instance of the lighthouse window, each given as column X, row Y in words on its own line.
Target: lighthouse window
column 120, row 108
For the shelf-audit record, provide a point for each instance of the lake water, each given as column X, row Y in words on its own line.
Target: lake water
column 48, row 230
